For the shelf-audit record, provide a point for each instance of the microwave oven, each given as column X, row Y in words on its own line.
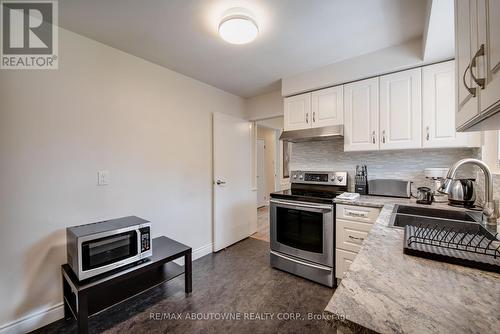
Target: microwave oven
column 97, row 248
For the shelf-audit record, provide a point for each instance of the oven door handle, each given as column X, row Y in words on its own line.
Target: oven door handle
column 303, row 204
column 317, row 266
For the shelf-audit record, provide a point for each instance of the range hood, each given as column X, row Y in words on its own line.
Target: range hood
column 313, row 134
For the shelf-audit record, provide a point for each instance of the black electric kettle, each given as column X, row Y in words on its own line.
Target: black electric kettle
column 424, row 195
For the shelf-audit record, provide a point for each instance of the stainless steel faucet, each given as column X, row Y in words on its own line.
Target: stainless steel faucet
column 489, row 216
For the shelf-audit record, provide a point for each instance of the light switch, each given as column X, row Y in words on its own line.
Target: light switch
column 102, row 178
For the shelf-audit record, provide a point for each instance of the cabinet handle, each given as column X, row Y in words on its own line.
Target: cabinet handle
column 471, row 90
column 427, row 136
column 383, row 136
column 314, row 117
column 355, row 238
column 373, row 137
column 307, row 118
column 479, row 53
column 356, row 213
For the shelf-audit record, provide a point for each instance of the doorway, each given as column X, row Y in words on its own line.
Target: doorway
column 261, row 173
column 268, row 168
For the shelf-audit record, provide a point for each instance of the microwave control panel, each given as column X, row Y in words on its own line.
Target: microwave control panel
column 145, row 239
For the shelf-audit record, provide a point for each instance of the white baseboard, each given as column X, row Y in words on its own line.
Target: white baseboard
column 197, row 253
column 44, row 317
column 33, row 321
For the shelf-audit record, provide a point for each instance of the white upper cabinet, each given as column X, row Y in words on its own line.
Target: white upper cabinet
column 465, row 43
column 297, row 114
column 313, row 110
column 489, row 39
column 327, row 107
column 438, row 108
column 361, row 115
column 401, row 110
column 477, row 53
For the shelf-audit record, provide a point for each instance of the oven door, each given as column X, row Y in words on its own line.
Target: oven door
column 108, row 250
column 303, row 230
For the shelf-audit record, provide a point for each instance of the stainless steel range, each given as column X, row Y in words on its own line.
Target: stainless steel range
column 303, row 225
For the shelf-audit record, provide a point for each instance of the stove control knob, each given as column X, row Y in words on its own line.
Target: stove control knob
column 333, row 179
column 301, row 177
column 295, row 176
column 340, row 178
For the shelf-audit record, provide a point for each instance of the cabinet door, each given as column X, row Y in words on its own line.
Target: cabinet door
column 438, row 107
column 343, row 260
column 361, row 115
column 400, row 110
column 488, row 24
column 297, row 112
column 328, row 107
column 465, row 42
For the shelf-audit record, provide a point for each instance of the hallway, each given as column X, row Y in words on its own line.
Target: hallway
column 262, row 224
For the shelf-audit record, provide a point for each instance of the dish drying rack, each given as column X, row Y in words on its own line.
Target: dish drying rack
column 466, row 244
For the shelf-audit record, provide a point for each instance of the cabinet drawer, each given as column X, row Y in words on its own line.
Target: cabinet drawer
column 357, row 213
column 350, row 234
column 343, row 260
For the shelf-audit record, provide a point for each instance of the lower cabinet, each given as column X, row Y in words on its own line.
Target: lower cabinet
column 353, row 223
column 343, row 260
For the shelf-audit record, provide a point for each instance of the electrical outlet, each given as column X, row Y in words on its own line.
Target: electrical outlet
column 102, row 178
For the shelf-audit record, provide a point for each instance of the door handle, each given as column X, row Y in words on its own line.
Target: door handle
column 307, row 264
column 307, row 118
column 479, row 53
column 314, row 117
column 219, row 182
column 427, row 136
column 383, row 136
column 373, row 137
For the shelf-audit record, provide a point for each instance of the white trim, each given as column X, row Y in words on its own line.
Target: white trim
column 197, row 253
column 34, row 321
column 56, row 312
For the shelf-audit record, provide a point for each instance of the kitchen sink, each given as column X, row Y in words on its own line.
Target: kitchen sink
column 451, row 236
column 403, row 215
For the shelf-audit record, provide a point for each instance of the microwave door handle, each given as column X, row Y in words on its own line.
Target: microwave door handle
column 139, row 244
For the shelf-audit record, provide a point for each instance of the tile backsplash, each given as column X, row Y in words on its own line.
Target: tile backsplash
column 398, row 164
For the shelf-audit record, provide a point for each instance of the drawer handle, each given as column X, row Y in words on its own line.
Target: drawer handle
column 356, row 238
column 356, row 214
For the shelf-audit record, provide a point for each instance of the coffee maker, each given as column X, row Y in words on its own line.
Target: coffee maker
column 437, row 174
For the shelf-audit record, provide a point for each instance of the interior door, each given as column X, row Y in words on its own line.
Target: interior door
column 235, row 217
column 298, row 112
column 438, row 107
column 261, row 173
column 327, row 107
column 401, row 110
column 361, row 108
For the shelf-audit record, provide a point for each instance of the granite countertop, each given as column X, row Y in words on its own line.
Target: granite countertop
column 381, row 201
column 387, row 291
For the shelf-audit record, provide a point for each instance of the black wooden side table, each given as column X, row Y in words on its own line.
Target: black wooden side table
column 83, row 299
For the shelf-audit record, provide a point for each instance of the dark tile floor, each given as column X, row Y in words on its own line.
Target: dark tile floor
column 234, row 282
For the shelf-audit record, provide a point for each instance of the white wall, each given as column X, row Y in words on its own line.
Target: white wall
column 264, row 106
column 391, row 59
column 439, row 35
column 102, row 110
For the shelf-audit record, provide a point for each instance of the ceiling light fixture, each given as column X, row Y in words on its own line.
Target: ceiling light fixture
column 238, row 27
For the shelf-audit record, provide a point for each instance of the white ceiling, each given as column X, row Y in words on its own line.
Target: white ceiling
column 295, row 35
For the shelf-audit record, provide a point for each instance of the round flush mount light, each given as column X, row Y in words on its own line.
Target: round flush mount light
column 238, row 27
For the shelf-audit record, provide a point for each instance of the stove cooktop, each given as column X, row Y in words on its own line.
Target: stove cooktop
column 308, row 195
